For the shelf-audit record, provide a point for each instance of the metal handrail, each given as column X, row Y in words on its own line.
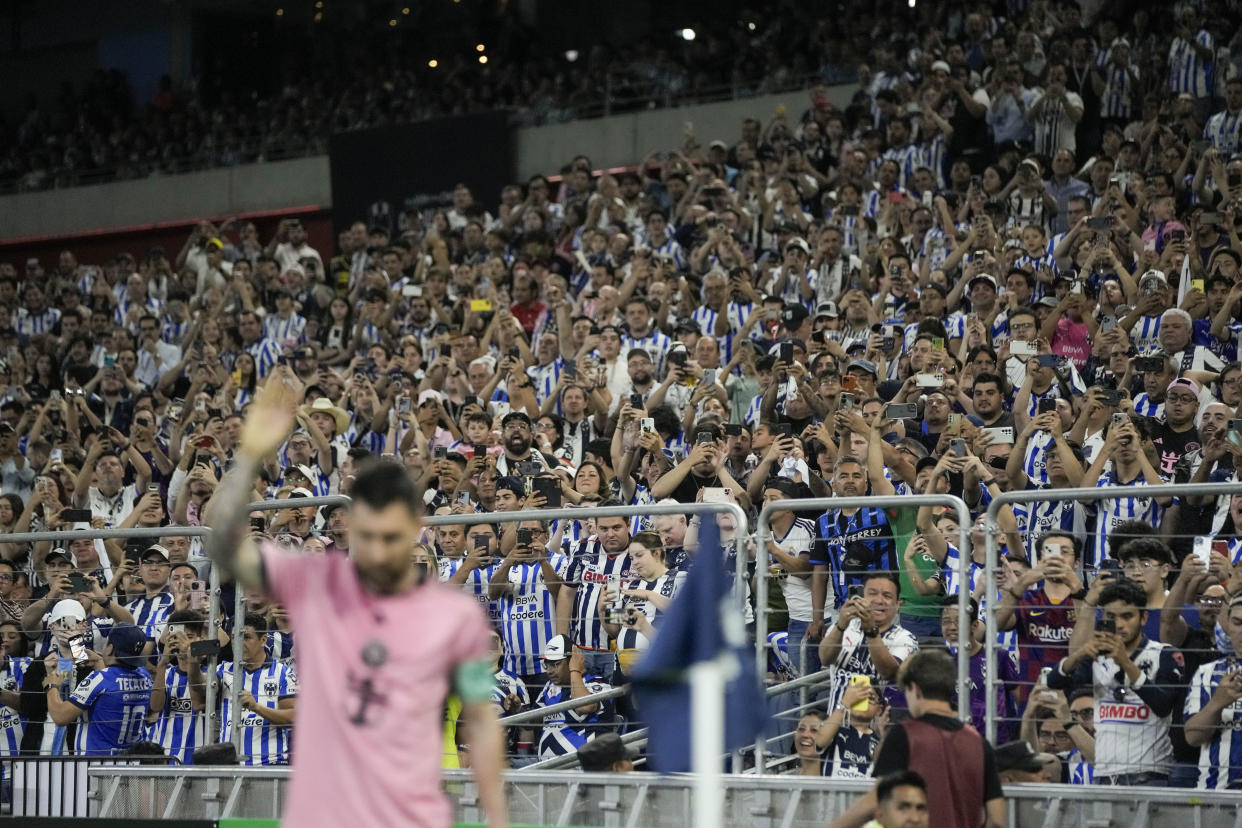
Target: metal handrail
column 763, row 534
column 536, row 714
column 570, row 760
column 991, row 551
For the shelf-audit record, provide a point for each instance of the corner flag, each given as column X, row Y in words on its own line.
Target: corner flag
column 703, row 627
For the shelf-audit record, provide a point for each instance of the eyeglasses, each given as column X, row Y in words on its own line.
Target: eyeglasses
column 1140, row 565
column 1180, row 398
column 517, row 427
column 998, row 462
column 143, row 422
column 1207, row 601
column 1086, row 713
column 1021, row 326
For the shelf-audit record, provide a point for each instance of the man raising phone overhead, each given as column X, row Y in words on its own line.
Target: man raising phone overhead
column 371, row 694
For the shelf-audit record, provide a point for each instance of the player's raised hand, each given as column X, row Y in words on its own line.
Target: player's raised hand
column 269, row 420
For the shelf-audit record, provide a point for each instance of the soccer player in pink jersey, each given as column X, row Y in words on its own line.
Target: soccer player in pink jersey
column 380, row 645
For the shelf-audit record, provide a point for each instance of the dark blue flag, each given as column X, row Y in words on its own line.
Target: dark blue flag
column 703, row 622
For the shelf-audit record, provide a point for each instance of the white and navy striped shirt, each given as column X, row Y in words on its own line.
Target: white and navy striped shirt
column 590, row 568
column 544, row 378
column 1145, row 335
column 266, row 353
column 1187, row 71
column 262, row 743
column 476, row 585
column 179, row 728
column 655, row 344
column 668, row 585
column 908, row 158
column 1222, row 131
column 528, row 615
column 27, row 324
column 1110, row 513
column 1220, row 758
column 151, row 613
column 283, row 330
column 11, row 724
column 1120, row 88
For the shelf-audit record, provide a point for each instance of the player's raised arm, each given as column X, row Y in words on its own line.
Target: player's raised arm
column 268, row 422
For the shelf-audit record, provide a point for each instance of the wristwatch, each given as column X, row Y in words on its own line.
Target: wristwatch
column 1071, row 723
column 1079, row 595
column 871, row 633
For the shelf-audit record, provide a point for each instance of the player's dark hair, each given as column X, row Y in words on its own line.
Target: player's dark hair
column 379, row 485
column 1127, row 592
column 934, row 673
column 901, row 779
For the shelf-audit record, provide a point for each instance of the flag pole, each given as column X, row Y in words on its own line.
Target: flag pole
column 707, row 686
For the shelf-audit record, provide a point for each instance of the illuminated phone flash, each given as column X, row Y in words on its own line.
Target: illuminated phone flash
column 911, row 3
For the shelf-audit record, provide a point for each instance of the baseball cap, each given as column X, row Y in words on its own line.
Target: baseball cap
column 301, row 491
column 513, row 484
column 515, row 416
column 127, row 643
column 718, row 144
column 793, row 316
column 800, row 243
column 558, row 648
column 305, row 471
column 1048, row 302
column 1184, row 382
column 940, row 66
column 687, row 326
column 60, row 552
column 987, row 277
column 865, row 365
column 828, row 308
column 1018, row 755
column 936, row 287
column 156, row 549
column 67, row 608
column 430, row 394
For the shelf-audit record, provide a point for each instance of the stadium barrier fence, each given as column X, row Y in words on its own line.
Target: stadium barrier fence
column 993, row 533
column 763, row 534
column 573, row 798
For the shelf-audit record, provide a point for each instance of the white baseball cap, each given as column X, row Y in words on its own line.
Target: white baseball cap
column 67, row 608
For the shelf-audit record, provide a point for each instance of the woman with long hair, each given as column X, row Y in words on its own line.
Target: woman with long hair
column 335, row 333
column 245, row 378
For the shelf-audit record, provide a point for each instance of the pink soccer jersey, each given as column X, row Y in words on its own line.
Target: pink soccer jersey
column 373, row 673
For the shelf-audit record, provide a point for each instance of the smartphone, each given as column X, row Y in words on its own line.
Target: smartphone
column 1047, row 405
column 1109, row 568
column 1203, row 550
column 258, row 524
column 636, row 401
column 704, row 437
column 481, row 541
column 79, row 582
column 1106, row 625
column 199, row 597
column 446, row 350
column 786, row 353
column 570, row 370
column 412, row 290
column 1047, row 360
column 1177, row 235
column 1100, row 223
column 1120, row 418
column 153, row 487
column 848, row 401
column 733, row 430
column 1111, row 396
column 109, row 361
column 954, row 424
column 76, row 516
column 716, row 494
column 709, row 376
column 1235, row 425
column 203, row 649
column 480, row 305
column 784, row 430
column 1001, row 435
column 440, row 452
column 524, row 537
column 849, row 382
column 646, row 424
column 403, row 404
column 929, row 380
column 550, row 489
column 855, row 591
column 77, row 648
column 56, row 456
column 529, row 468
column 861, row 706
column 501, row 408
column 957, row 446
column 1145, row 365
column 901, row 411
column 1043, row 676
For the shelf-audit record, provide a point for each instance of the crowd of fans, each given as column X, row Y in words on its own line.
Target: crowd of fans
column 331, row 77
column 1001, row 269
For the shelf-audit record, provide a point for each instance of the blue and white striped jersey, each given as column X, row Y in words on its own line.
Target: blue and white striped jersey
column 1187, row 71
column 178, row 728
column 544, row 378
column 590, row 568
column 27, row 324
column 655, row 344
column 262, row 743
column 266, row 353
column 1120, row 89
column 908, row 158
column 476, row 584
column 1220, row 758
column 11, row 725
column 1222, row 131
column 282, row 330
column 567, row 731
column 151, row 613
column 528, row 615
column 1145, row 335
column 1079, row 771
column 115, row 702
column 1110, row 513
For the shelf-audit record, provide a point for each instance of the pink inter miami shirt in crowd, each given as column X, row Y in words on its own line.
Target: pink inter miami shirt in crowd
column 373, row 673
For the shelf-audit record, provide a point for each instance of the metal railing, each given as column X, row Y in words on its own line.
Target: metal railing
column 763, row 534
column 1082, row 495
column 561, row 798
column 213, row 612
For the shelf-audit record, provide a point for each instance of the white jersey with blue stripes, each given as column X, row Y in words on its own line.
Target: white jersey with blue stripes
column 262, row 743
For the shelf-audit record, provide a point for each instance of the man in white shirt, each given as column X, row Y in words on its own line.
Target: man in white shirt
column 293, row 247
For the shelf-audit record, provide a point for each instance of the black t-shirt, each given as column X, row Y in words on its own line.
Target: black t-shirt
column 687, row 490
column 1173, row 445
column 894, row 754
